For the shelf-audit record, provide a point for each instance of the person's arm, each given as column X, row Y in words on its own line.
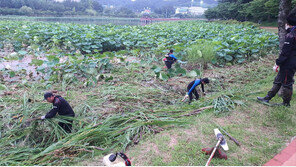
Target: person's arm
column 286, row 51
column 52, row 112
column 173, row 57
column 56, row 106
column 193, row 86
column 203, row 88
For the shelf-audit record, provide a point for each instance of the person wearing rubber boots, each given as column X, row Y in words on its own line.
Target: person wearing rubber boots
column 287, row 66
column 62, row 107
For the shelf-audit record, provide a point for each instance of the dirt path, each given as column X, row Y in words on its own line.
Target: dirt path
column 275, row 28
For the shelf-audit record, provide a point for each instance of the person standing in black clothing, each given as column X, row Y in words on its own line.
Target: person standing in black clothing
column 287, row 65
column 60, row 106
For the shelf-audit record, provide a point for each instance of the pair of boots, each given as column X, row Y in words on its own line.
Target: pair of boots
column 286, row 95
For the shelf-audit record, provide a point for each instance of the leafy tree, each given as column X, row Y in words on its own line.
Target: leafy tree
column 26, row 10
column 97, row 6
column 165, row 11
column 256, row 9
column 91, row 12
column 244, row 10
column 211, row 13
column 125, row 12
column 272, row 8
column 5, row 3
column 51, row 6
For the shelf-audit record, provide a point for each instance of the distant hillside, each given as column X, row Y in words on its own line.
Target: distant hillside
column 153, row 4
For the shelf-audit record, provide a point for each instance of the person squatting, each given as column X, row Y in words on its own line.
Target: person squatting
column 62, row 107
column 170, row 59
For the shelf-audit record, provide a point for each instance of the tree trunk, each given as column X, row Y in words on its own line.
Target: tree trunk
column 285, row 7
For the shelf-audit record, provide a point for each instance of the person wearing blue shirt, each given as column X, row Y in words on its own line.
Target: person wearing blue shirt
column 170, row 59
column 191, row 88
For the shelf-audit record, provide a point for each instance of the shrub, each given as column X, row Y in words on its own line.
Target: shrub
column 202, row 52
column 26, row 10
column 91, row 12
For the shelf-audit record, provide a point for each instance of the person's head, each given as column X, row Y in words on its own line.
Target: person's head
column 205, row 80
column 171, row 51
column 49, row 97
column 291, row 20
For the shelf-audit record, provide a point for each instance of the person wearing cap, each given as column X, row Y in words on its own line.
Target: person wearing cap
column 191, row 88
column 60, row 106
column 170, row 59
column 287, row 65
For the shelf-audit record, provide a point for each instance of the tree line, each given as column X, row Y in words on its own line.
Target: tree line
column 164, row 9
column 246, row 10
column 138, row 5
column 53, row 8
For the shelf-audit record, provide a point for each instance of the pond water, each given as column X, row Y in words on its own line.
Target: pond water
column 80, row 20
column 93, row 20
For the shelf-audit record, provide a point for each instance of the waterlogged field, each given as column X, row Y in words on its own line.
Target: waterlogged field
column 112, row 77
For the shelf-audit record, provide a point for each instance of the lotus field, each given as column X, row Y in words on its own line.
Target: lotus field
column 234, row 43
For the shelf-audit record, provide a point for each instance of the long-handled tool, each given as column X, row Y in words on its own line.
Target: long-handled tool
column 221, row 142
column 230, row 137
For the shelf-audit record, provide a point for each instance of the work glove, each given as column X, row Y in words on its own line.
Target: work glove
column 43, row 117
column 185, row 97
column 276, row 68
column 182, row 62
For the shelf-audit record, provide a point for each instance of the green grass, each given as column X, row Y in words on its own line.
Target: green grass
column 269, row 24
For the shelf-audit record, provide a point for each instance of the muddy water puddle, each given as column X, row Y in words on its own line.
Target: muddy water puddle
column 29, row 71
column 23, row 64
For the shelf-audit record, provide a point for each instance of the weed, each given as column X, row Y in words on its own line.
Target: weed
column 203, row 52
